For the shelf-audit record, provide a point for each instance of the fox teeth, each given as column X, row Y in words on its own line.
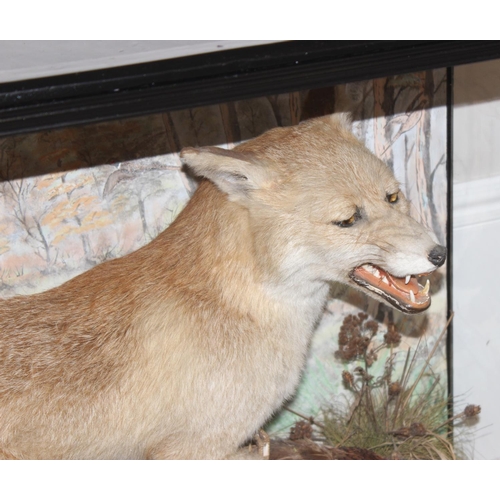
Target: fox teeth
column 407, row 279
column 412, row 296
column 385, row 280
column 425, row 290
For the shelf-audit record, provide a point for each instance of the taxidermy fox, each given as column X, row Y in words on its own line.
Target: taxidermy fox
column 184, row 348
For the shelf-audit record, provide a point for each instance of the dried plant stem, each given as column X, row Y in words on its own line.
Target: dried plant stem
column 425, row 399
column 379, row 348
column 460, row 415
column 445, row 443
column 305, row 417
column 403, row 384
column 371, row 409
column 427, row 361
column 416, row 413
column 389, row 380
column 359, row 398
column 381, row 445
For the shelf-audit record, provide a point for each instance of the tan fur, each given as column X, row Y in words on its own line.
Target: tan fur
column 184, row 348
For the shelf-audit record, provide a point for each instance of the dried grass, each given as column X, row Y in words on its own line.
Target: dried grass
column 395, row 418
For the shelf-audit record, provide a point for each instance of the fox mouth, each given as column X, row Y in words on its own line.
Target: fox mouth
column 405, row 294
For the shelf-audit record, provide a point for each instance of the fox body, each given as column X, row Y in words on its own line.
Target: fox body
column 184, row 348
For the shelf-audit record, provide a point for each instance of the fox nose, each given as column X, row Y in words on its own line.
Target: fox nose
column 437, row 255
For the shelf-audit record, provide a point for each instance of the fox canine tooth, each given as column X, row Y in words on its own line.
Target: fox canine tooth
column 385, row 280
column 425, row 290
column 412, row 296
column 407, row 279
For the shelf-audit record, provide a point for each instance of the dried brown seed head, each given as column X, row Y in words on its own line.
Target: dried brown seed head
column 301, row 430
column 372, row 326
column 402, row 432
column 417, row 429
column 392, row 337
column 472, row 411
column 355, row 336
column 371, row 357
column 347, row 378
column 394, row 389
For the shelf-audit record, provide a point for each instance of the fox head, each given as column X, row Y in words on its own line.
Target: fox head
column 323, row 208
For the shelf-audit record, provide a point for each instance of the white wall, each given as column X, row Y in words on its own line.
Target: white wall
column 20, row 60
column 476, row 248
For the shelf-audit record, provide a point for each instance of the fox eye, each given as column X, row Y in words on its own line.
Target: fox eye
column 350, row 221
column 392, row 198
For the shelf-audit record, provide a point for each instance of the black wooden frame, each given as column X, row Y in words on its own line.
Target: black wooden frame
column 142, row 89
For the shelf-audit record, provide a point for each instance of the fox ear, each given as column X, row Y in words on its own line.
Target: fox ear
column 234, row 172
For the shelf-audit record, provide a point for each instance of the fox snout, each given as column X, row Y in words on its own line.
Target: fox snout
column 408, row 253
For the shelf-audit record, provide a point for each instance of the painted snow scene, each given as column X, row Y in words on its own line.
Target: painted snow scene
column 73, row 198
